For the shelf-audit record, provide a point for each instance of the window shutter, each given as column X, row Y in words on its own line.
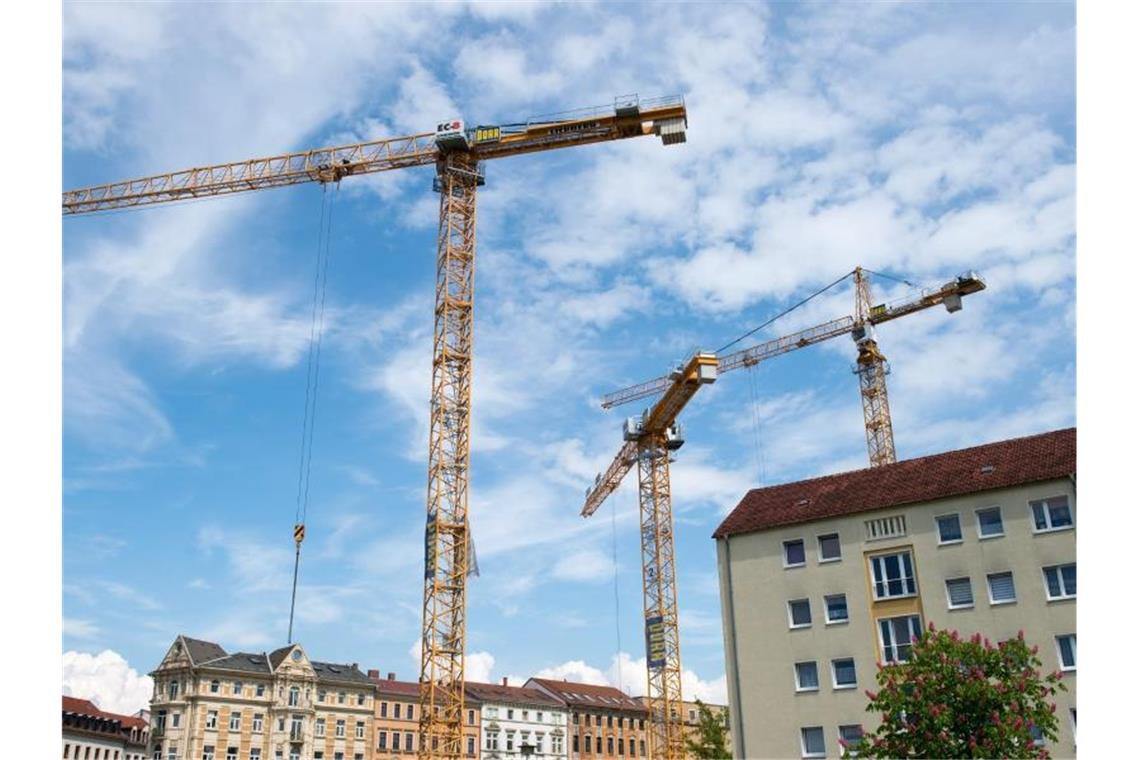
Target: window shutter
column 1001, row 586
column 960, row 593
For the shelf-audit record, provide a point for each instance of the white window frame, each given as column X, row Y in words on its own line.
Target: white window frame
column 796, row 676
column 1049, row 517
column 819, row 548
column 1061, row 660
column 803, row 742
column 258, row 723
column 938, row 529
column 990, row 589
column 341, row 729
column 894, row 644
column 950, row 603
column 827, row 610
column 212, row 717
column 835, row 685
column 235, row 714
column 791, row 619
column 978, row 522
column 1060, row 582
column 839, row 733
column 886, row 582
column 784, row 553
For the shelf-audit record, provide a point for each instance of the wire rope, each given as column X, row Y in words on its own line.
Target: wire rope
column 784, row 313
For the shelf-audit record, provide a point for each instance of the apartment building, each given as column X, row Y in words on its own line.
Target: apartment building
column 520, row 722
column 692, row 718
column 603, row 721
column 212, row 705
column 397, row 720
column 823, row 578
column 93, row 734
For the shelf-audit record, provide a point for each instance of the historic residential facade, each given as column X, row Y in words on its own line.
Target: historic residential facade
column 823, row 578
column 397, row 720
column 520, row 722
column 210, row 705
column 604, row 722
column 692, row 718
column 93, row 734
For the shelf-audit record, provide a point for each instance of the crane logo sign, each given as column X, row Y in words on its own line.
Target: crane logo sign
column 655, row 641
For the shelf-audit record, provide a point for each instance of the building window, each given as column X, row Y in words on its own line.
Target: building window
column 807, row 676
column 843, row 673
column 231, row 753
column 235, row 720
column 255, row 753
column 340, row 729
column 829, row 548
column 215, row 685
column 609, row 745
column 175, row 719
column 794, row 553
column 297, row 727
column 396, row 710
column 212, row 719
column 411, row 712
column 319, row 729
column 1060, row 581
column 811, row 741
column 208, row 752
column 959, row 593
column 598, row 743
column 1067, row 651
column 893, row 575
column 510, row 714
column 1036, row 735
column 836, row 606
column 556, row 745
column 470, row 746
column 895, row 635
column 471, row 717
column 575, row 744
column 799, row 613
column 408, row 742
column 949, row 529
column 261, row 690
column 258, row 719
column 849, row 735
column 382, row 741
column 172, row 690
column 1051, row 514
column 641, row 747
column 294, row 696
column 1001, row 588
column 340, row 699
column 989, row 523
column 237, row 688
column 383, row 707
column 359, row 729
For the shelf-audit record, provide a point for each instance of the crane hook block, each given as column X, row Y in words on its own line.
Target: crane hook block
column 299, row 532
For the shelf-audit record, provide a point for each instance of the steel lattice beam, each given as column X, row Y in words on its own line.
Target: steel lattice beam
column 446, row 533
column 658, row 572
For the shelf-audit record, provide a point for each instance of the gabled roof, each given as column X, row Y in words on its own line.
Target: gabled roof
column 589, row 695
column 336, row 672
column 201, row 651
column 277, row 655
column 514, row 695
column 1005, row 464
column 248, row 662
column 397, row 688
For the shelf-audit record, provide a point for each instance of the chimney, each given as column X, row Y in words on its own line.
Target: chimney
column 504, row 680
column 356, row 666
column 374, row 675
column 391, row 676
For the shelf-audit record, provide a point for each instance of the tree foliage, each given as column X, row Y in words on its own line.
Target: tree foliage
column 712, row 735
column 962, row 698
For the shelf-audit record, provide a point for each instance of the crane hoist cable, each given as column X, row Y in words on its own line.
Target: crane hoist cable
column 312, row 380
column 617, row 602
column 783, row 313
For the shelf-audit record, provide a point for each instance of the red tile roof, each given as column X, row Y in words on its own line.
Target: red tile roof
column 87, row 707
column 1046, row 456
column 399, row 688
column 490, row 692
column 590, row 695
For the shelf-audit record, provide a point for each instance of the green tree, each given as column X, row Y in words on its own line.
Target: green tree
column 962, row 698
column 712, row 735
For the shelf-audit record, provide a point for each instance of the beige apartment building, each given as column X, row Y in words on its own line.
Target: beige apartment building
column 823, row 578
column 211, row 705
column 397, row 720
column 604, row 722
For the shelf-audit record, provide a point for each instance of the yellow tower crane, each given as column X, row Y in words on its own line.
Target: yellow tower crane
column 651, row 438
column 457, row 152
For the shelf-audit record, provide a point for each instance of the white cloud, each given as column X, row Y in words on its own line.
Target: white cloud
column 107, row 680
column 80, row 629
column 590, row 564
column 628, row 674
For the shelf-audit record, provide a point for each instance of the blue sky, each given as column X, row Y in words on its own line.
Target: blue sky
column 914, row 139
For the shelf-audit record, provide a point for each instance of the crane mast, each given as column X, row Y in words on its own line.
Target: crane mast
column 871, row 369
column 649, row 441
column 457, row 152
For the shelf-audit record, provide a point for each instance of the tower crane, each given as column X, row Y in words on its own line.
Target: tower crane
column 650, row 439
column 457, row 152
